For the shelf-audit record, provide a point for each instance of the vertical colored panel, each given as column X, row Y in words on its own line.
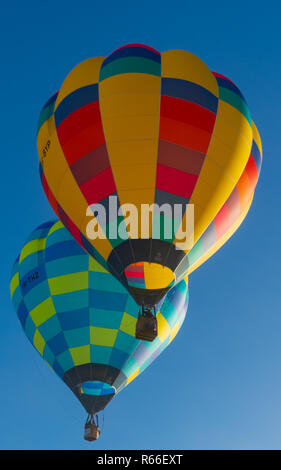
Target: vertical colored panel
column 129, row 104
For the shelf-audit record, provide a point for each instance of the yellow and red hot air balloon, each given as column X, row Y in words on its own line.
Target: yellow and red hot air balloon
column 154, row 129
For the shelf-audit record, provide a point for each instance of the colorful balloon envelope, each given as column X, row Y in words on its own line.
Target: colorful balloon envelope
column 143, row 128
column 82, row 320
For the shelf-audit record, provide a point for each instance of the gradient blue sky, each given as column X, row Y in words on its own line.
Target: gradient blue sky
column 218, row 386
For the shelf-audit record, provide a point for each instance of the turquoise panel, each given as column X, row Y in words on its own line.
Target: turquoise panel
column 29, row 263
column 50, row 328
column 125, row 342
column 30, row 328
column 77, row 337
column 37, row 295
column 68, row 265
column 105, row 318
column 71, row 301
column 100, row 354
column 65, row 360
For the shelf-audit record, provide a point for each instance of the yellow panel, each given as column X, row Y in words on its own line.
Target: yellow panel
column 128, row 324
column 71, row 199
column 127, row 83
column 222, row 240
column 232, row 163
column 211, row 192
column 95, row 266
column 86, row 73
column 51, row 126
column 210, row 180
column 186, row 66
column 257, row 138
column 133, row 176
column 129, row 128
column 130, row 105
column 140, row 104
column 32, row 247
column 157, row 276
column 163, row 327
column 81, row 355
column 133, row 376
column 133, row 151
column 64, row 187
column 53, row 161
column 102, row 245
column 174, row 331
column 233, row 117
column 219, row 153
column 39, row 342
column 43, row 311
column 14, row 283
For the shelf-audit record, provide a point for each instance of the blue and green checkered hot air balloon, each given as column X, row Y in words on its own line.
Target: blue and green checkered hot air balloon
column 82, row 320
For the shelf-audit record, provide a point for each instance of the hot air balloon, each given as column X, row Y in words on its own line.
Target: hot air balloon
column 142, row 128
column 82, row 320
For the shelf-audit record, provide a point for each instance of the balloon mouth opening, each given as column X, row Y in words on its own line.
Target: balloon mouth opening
column 149, row 276
column 97, row 388
column 148, row 298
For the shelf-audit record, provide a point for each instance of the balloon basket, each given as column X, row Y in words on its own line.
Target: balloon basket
column 146, row 327
column 91, row 432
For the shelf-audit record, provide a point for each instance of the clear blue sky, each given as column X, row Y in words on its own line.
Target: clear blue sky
column 227, row 357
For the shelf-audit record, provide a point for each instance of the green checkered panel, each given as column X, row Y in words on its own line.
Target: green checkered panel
column 82, row 320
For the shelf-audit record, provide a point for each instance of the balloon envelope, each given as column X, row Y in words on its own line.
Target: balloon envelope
column 82, row 320
column 143, row 128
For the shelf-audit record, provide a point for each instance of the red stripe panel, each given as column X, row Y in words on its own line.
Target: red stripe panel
column 99, row 187
column 252, row 172
column 144, row 46
column 187, row 112
column 83, row 143
column 221, row 221
column 136, row 268
column 181, row 158
column 134, row 274
column 90, row 164
column 45, row 185
column 79, row 120
column 75, row 232
column 182, row 134
column 175, row 181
